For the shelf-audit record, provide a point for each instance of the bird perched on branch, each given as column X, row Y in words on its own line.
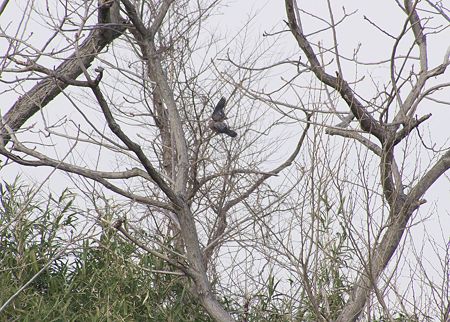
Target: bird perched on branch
column 216, row 123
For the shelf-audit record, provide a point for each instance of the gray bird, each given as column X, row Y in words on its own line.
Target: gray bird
column 219, row 115
column 216, row 123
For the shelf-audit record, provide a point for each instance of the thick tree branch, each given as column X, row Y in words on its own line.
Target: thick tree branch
column 109, row 28
column 98, row 176
column 400, row 214
column 407, row 107
column 158, row 77
column 366, row 121
column 401, row 211
column 159, row 18
column 115, row 128
column 404, row 132
column 401, row 205
column 188, row 230
column 356, row 136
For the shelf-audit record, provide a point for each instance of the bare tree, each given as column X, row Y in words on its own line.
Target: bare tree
column 389, row 125
column 156, row 101
column 119, row 95
column 386, row 124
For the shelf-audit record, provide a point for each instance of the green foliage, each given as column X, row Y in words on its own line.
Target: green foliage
column 270, row 304
column 108, row 279
column 101, row 280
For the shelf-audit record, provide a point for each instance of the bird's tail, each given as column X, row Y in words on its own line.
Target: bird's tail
column 230, row 132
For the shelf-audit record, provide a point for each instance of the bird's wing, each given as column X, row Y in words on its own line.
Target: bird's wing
column 219, row 114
